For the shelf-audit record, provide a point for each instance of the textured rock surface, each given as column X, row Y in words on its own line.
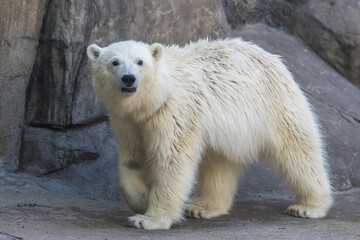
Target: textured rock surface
column 240, row 13
column 19, row 33
column 95, row 178
column 332, row 29
column 336, row 101
column 44, row 150
column 61, row 53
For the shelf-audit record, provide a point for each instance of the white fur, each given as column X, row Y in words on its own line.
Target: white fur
column 212, row 107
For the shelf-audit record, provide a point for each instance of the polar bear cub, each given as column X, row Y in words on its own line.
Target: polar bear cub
column 205, row 112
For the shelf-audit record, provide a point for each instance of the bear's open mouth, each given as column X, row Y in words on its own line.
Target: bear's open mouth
column 128, row 89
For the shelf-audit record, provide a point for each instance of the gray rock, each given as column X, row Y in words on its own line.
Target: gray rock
column 335, row 100
column 61, row 53
column 44, row 150
column 86, row 108
column 95, row 178
column 241, row 13
column 9, row 162
column 19, row 33
column 158, row 21
column 260, row 180
column 332, row 29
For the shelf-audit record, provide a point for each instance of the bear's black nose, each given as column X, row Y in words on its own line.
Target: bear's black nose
column 128, row 80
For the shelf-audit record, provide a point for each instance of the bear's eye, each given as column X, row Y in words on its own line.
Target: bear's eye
column 115, row 63
column 140, row 62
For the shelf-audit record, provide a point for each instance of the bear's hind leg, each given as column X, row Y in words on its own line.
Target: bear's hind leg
column 304, row 172
column 216, row 187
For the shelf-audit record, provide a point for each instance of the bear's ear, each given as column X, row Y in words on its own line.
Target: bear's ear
column 156, row 50
column 93, row 51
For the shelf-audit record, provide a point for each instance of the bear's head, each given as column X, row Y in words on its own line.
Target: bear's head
column 126, row 66
column 126, row 77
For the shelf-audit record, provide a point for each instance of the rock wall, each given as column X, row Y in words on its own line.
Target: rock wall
column 20, row 26
column 57, row 126
column 331, row 28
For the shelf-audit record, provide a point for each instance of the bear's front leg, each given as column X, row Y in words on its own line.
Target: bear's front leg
column 173, row 169
column 171, row 187
column 133, row 179
column 133, row 171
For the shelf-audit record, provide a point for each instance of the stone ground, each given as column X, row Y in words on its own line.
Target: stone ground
column 43, row 208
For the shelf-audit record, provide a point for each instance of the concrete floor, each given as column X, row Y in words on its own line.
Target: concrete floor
column 37, row 210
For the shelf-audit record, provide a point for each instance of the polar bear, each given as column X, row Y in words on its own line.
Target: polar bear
column 206, row 110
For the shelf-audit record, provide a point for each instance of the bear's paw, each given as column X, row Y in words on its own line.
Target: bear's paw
column 194, row 211
column 148, row 223
column 296, row 210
